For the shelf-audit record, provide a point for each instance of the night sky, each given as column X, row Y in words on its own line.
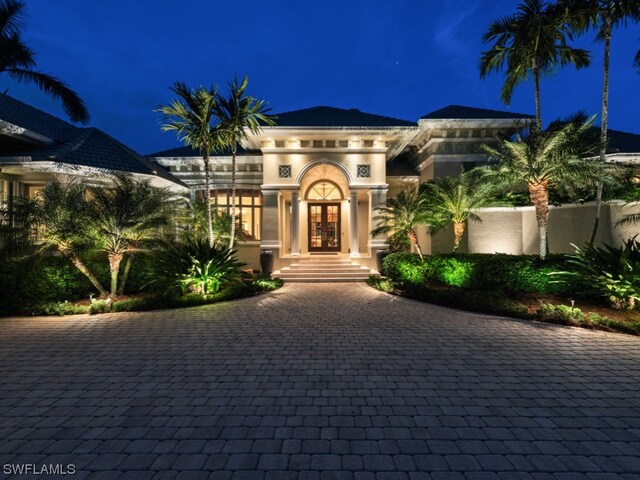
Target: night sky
column 390, row 57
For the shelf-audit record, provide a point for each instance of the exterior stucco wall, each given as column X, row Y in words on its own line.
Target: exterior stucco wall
column 514, row 230
column 298, row 161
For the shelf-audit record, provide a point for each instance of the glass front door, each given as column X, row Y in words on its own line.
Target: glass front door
column 324, row 227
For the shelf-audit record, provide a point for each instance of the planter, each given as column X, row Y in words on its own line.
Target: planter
column 380, row 255
column 266, row 261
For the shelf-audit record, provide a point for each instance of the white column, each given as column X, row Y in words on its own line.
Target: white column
column 353, row 224
column 295, row 223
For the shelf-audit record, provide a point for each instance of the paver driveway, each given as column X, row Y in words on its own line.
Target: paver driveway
column 328, row 381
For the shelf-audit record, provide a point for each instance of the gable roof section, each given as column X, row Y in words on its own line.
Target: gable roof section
column 337, row 117
column 88, row 147
column 460, row 112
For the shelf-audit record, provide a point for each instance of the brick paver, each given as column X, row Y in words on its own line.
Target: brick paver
column 327, row 381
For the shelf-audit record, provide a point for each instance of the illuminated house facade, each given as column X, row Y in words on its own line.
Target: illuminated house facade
column 311, row 184
column 309, row 187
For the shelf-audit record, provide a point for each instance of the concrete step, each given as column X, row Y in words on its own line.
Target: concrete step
column 313, row 271
column 324, row 280
column 322, row 268
column 290, row 274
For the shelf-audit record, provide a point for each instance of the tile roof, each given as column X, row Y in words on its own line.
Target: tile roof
column 33, row 119
column 623, row 142
column 337, row 117
column 471, row 113
column 72, row 145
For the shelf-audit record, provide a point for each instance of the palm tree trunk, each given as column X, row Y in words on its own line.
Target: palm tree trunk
column 79, row 264
column 539, row 194
column 207, row 195
column 458, row 231
column 114, row 269
column 233, row 194
column 536, row 87
column 603, row 127
column 414, row 240
column 125, row 274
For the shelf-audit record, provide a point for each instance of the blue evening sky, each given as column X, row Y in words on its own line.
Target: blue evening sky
column 401, row 58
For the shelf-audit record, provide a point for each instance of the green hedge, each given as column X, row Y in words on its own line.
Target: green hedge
column 494, row 272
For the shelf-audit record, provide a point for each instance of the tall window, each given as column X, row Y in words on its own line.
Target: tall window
column 248, row 209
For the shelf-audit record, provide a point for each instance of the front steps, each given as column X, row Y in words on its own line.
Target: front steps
column 324, row 269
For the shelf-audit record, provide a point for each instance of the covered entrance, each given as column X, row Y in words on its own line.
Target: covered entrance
column 324, row 227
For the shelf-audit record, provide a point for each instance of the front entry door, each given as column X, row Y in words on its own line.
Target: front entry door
column 324, row 227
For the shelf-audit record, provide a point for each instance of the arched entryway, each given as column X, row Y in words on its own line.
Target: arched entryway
column 321, row 222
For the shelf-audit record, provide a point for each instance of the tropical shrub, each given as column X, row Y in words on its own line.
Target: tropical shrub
column 497, row 272
column 404, row 268
column 193, row 266
column 613, row 273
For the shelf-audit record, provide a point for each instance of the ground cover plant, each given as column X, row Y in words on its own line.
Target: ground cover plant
column 521, row 286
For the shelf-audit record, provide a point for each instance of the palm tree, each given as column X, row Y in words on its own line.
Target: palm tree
column 534, row 40
column 18, row 61
column 191, row 116
column 603, row 16
column 403, row 214
column 455, row 198
column 128, row 213
column 239, row 115
column 544, row 160
column 62, row 221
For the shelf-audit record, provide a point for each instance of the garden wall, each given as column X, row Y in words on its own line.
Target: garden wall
column 514, row 230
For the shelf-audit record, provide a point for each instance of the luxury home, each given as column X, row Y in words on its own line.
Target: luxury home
column 308, row 187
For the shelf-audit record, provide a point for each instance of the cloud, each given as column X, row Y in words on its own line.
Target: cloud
column 449, row 36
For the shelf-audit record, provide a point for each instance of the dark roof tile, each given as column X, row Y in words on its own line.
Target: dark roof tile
column 471, row 113
column 623, row 142
column 337, row 117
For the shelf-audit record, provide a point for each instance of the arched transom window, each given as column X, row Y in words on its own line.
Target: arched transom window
column 324, row 190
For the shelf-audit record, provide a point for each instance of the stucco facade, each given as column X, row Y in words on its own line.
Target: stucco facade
column 321, row 173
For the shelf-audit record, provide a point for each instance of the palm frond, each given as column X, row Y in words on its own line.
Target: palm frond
column 73, row 105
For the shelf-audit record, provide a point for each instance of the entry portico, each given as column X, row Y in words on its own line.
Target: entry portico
column 322, row 183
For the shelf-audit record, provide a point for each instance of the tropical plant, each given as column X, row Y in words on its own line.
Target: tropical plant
column 62, row 221
column 192, row 117
column 15, row 227
column 18, row 61
column 403, row 214
column 239, row 115
column 603, row 16
column 128, row 214
column 613, row 273
column 193, row 266
column 454, row 199
column 193, row 221
column 532, row 41
column 541, row 161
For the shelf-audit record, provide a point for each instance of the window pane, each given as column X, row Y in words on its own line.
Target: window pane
column 257, row 220
column 245, row 221
column 221, row 198
column 246, row 196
